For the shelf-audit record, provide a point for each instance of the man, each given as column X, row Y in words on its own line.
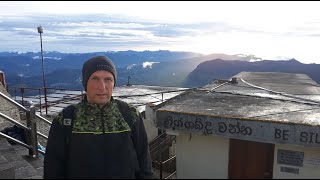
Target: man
column 100, row 137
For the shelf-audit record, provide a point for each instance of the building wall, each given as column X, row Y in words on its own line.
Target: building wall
column 309, row 166
column 149, row 123
column 201, row 156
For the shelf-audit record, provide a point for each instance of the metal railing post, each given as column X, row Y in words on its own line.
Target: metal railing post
column 45, row 99
column 22, row 96
column 161, row 169
column 40, row 105
column 15, row 93
column 32, row 134
column 160, row 157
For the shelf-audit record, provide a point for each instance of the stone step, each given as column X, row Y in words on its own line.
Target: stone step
column 14, row 160
column 6, row 171
column 6, row 168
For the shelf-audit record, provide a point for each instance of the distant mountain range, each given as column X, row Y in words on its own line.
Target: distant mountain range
column 63, row 69
column 208, row 71
column 161, row 68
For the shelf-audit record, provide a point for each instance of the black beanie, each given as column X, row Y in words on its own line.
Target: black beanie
column 95, row 64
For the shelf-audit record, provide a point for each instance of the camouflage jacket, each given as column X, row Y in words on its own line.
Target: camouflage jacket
column 106, row 142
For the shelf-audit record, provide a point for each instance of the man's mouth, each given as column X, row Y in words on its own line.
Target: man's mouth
column 101, row 94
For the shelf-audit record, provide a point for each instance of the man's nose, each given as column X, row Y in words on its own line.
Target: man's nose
column 101, row 84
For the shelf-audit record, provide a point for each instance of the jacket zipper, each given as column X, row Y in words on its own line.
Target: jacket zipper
column 104, row 137
column 102, row 122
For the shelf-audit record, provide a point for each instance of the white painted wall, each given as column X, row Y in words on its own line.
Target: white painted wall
column 202, row 156
column 311, row 163
column 149, row 123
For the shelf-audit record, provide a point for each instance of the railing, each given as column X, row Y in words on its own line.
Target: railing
column 159, row 145
column 171, row 169
column 31, row 127
column 57, row 97
column 155, row 141
column 49, row 98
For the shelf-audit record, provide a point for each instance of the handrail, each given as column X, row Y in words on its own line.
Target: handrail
column 31, row 128
column 43, row 119
column 171, row 175
column 219, row 86
column 31, row 88
column 163, row 162
column 161, row 166
column 42, row 152
column 147, row 94
column 20, row 143
column 158, row 137
column 16, row 141
column 42, row 135
column 279, row 93
column 168, row 159
column 64, row 89
column 14, row 121
column 168, row 139
column 20, row 125
column 157, row 145
column 22, row 107
column 165, row 141
column 32, row 147
column 13, row 102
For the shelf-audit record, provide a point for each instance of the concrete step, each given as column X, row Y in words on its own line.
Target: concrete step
column 15, row 162
column 6, row 170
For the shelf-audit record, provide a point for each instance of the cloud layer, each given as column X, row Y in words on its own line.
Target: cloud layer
column 265, row 29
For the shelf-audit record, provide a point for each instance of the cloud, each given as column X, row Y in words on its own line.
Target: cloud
column 148, row 64
column 290, row 30
column 107, row 30
column 83, row 30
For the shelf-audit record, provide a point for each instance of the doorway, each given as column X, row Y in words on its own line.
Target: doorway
column 249, row 159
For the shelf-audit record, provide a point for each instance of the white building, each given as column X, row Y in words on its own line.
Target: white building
column 265, row 125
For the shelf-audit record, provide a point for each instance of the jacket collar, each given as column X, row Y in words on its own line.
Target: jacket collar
column 84, row 100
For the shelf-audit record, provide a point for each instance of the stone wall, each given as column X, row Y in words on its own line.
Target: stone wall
column 8, row 109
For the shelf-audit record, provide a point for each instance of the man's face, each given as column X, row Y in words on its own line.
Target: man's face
column 100, row 87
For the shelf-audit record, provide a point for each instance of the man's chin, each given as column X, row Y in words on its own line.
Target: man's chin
column 103, row 101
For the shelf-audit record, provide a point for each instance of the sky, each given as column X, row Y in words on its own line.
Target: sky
column 267, row 29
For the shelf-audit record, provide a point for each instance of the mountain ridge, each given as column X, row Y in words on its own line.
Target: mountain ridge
column 208, row 71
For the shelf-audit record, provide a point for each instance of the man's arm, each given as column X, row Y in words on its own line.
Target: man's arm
column 140, row 141
column 54, row 161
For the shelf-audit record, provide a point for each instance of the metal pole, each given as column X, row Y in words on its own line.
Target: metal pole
column 162, row 96
column 15, row 93
column 160, row 169
column 160, row 157
column 128, row 84
column 40, row 31
column 45, row 100
column 40, row 105
column 32, row 135
column 22, row 96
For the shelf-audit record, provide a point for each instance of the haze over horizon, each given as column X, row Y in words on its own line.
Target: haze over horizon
column 270, row 30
